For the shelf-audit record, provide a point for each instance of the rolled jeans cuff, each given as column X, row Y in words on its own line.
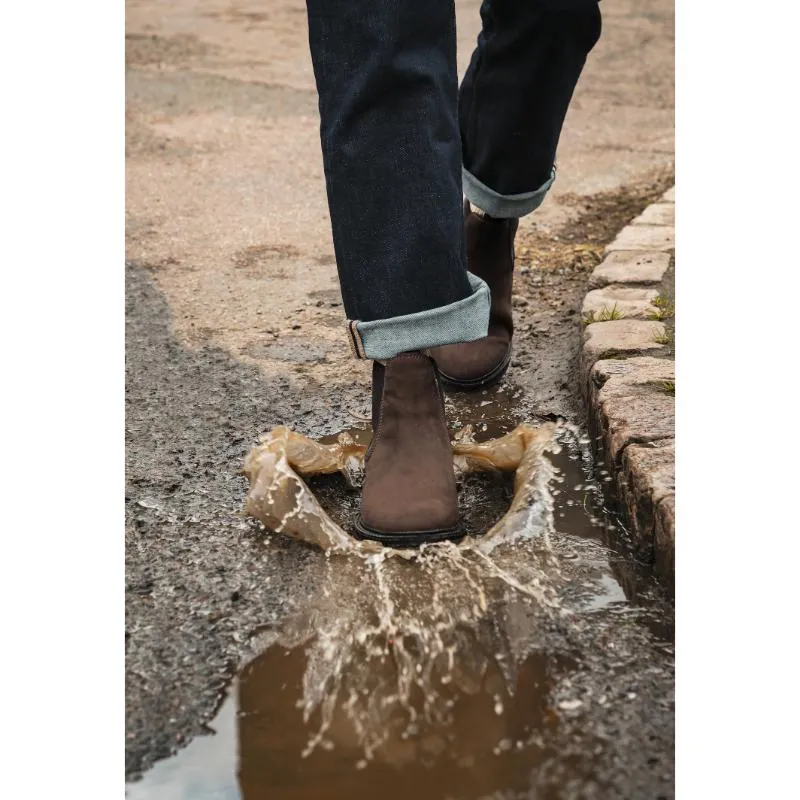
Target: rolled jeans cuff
column 503, row 206
column 462, row 321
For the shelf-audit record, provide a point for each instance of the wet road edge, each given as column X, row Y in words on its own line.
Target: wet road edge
column 628, row 378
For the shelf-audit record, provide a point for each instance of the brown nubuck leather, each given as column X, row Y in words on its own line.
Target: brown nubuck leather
column 490, row 256
column 409, row 495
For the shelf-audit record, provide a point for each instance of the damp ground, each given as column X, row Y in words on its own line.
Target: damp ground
column 200, row 578
column 447, row 678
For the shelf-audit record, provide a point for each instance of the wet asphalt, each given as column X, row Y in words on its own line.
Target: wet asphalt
column 201, row 578
column 197, row 583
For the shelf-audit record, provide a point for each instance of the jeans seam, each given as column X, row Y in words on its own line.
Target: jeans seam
column 462, row 320
column 473, row 127
column 504, row 206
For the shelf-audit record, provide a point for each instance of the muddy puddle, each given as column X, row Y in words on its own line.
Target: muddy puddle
column 503, row 666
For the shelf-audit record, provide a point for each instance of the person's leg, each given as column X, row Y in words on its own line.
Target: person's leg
column 512, row 104
column 515, row 95
column 388, row 97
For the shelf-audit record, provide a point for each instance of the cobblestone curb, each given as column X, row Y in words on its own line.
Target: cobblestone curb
column 628, row 379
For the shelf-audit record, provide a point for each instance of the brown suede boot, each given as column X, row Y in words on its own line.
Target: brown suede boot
column 409, row 495
column 490, row 255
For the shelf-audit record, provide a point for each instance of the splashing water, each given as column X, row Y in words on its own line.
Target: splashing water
column 394, row 637
column 509, row 665
column 282, row 501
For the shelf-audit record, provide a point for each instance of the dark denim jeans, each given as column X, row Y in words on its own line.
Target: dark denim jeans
column 397, row 140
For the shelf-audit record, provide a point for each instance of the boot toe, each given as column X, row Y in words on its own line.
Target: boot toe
column 471, row 361
column 417, row 515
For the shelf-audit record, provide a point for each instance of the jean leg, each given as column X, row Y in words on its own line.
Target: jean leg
column 515, row 95
column 388, row 97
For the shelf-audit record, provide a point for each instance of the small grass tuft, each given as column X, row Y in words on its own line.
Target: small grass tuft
column 662, row 308
column 605, row 314
column 665, row 338
column 668, row 387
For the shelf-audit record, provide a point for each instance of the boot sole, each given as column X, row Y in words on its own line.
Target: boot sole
column 481, row 382
column 400, row 539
